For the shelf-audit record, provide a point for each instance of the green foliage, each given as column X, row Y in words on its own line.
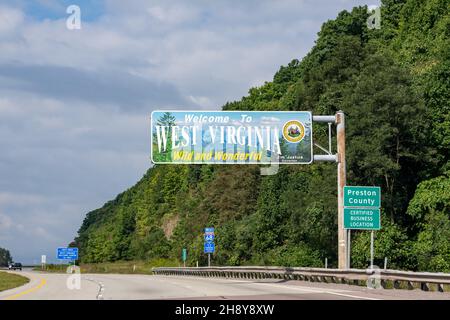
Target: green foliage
column 5, row 257
column 294, row 256
column 390, row 242
column 431, row 209
column 432, row 247
column 431, row 196
column 386, row 131
column 167, row 120
column 393, row 85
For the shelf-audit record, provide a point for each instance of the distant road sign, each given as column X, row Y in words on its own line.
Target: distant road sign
column 209, row 247
column 209, row 237
column 362, row 218
column 184, row 254
column 356, row 196
column 43, row 258
column 209, row 230
column 67, row 254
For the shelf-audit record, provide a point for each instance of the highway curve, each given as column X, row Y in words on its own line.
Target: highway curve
column 50, row 286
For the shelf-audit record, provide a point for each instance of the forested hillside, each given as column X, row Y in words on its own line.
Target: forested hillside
column 392, row 83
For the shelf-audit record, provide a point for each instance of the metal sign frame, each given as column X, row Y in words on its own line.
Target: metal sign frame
column 344, row 235
column 339, row 158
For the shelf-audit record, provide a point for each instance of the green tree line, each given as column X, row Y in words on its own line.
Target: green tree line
column 5, row 257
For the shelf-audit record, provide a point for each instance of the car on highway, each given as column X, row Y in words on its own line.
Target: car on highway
column 15, row 266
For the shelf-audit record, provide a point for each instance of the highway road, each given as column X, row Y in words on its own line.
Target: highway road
column 52, row 286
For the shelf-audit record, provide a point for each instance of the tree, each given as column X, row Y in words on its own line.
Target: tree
column 5, row 257
column 430, row 209
column 385, row 130
column 390, row 242
column 166, row 120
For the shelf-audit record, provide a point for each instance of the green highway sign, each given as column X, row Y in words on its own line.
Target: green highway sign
column 362, row 196
column 184, row 254
column 367, row 219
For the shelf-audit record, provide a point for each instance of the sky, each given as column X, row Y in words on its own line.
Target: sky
column 75, row 104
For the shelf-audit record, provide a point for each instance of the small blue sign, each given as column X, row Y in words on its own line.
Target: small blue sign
column 67, row 254
column 209, row 230
column 209, row 237
column 209, row 247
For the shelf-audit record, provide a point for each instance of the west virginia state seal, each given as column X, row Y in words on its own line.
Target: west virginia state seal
column 293, row 131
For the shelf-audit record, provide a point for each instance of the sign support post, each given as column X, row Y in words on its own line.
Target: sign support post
column 343, row 235
column 371, row 250
column 349, row 248
column 209, row 246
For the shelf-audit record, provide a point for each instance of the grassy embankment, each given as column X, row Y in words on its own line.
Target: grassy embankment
column 124, row 267
column 9, row 280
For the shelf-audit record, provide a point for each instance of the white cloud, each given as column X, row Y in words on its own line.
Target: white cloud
column 10, row 20
column 5, row 222
column 203, row 102
column 173, row 15
column 20, row 199
column 269, row 120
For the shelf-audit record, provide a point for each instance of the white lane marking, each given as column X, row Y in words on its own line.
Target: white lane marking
column 314, row 290
column 243, row 281
column 351, row 296
column 304, row 290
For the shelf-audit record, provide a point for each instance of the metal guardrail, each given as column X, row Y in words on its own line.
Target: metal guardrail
column 387, row 279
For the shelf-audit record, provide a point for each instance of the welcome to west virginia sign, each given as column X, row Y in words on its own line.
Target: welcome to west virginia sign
column 231, row 137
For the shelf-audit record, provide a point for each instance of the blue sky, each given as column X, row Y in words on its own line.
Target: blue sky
column 75, row 104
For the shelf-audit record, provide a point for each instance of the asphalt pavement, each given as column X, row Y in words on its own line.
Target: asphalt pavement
column 53, row 286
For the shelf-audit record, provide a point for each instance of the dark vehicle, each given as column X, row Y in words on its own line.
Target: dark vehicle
column 15, row 266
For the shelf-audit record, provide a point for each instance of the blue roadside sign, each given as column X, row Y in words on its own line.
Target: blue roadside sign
column 209, row 230
column 209, row 237
column 67, row 253
column 209, row 247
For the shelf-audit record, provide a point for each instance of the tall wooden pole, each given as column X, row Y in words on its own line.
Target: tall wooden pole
column 343, row 261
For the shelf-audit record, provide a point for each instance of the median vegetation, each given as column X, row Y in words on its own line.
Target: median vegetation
column 10, row 280
column 120, row 267
column 127, row 267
